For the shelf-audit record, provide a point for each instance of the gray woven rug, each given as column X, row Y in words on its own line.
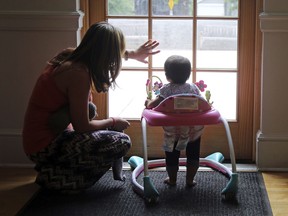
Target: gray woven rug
column 109, row 197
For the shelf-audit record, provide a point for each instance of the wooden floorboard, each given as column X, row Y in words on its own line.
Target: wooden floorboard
column 277, row 188
column 17, row 188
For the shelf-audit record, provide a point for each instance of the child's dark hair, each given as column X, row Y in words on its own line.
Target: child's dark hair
column 177, row 69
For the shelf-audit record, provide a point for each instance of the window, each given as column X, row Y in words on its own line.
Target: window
column 222, row 39
column 204, row 31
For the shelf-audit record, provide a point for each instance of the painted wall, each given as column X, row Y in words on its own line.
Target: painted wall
column 31, row 32
column 272, row 139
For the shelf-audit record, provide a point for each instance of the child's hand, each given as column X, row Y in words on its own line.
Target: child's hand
column 147, row 102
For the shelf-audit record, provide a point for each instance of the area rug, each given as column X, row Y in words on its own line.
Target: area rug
column 109, row 197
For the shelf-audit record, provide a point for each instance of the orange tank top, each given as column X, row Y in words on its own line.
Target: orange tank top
column 46, row 98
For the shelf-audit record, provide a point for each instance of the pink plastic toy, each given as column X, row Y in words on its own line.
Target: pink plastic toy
column 184, row 109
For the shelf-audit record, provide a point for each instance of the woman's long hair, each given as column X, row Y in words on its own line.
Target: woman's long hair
column 61, row 57
column 101, row 51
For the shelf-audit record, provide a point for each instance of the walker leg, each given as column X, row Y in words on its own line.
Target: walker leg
column 230, row 143
column 230, row 191
column 150, row 192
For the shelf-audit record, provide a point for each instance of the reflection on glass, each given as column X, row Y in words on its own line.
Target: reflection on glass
column 220, row 8
column 127, row 100
column 217, row 44
column 172, row 7
column 136, row 33
column 223, row 87
column 127, row 7
column 175, row 38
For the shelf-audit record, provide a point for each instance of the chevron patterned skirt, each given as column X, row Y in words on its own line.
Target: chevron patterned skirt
column 75, row 161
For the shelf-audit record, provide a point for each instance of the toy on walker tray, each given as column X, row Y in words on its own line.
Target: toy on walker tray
column 197, row 111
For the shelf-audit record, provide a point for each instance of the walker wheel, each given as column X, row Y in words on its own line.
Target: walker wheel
column 151, row 200
column 229, row 196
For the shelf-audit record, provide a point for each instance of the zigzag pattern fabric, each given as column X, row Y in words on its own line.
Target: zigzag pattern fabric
column 75, row 161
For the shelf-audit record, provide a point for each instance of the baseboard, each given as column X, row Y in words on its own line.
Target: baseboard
column 271, row 152
column 17, row 165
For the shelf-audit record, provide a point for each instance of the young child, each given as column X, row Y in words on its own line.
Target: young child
column 177, row 72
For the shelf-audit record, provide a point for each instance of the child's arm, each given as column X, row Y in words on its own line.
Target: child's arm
column 149, row 104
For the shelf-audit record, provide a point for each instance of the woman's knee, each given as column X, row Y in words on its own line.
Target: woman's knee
column 113, row 144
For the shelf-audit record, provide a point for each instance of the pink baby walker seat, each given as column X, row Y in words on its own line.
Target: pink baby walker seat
column 182, row 110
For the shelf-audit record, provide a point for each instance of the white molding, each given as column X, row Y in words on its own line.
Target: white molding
column 274, row 22
column 272, row 137
column 271, row 152
column 17, row 165
column 273, row 169
column 40, row 21
column 10, row 132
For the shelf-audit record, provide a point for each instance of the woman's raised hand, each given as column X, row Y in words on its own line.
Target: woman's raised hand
column 144, row 51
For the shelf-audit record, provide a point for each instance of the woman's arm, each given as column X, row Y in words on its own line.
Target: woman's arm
column 78, row 89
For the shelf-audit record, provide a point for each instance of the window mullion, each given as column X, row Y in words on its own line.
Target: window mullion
column 150, row 36
column 194, row 48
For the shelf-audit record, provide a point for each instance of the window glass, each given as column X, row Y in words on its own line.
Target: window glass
column 223, row 8
column 213, row 29
column 136, row 33
column 223, row 88
column 127, row 7
column 172, row 7
column 217, row 44
column 127, row 99
column 175, row 38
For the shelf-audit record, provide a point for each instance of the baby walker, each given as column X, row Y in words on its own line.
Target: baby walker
column 177, row 110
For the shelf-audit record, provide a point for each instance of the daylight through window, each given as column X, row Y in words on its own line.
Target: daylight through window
column 205, row 31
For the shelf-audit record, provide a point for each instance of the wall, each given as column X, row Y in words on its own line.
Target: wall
column 31, row 32
column 272, row 139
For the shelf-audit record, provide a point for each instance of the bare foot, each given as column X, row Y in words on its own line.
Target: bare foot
column 168, row 182
column 190, row 185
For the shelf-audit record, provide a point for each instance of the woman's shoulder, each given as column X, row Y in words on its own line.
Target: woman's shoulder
column 70, row 74
column 71, row 68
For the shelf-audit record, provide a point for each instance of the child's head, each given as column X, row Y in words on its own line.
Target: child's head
column 177, row 69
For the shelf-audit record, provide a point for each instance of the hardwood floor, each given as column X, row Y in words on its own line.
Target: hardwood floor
column 277, row 188
column 17, row 187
